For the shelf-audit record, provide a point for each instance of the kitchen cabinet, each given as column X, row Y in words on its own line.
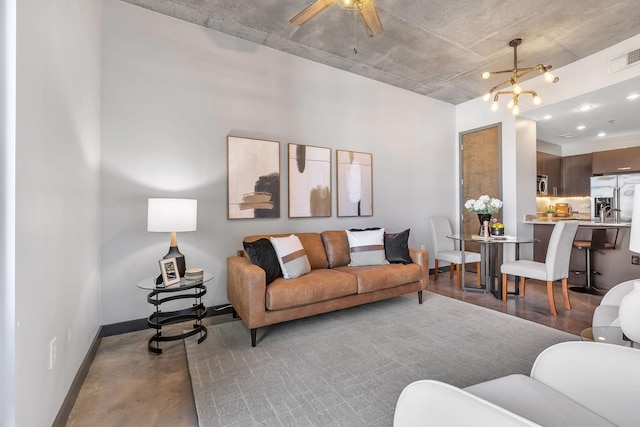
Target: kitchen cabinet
column 616, row 161
column 576, row 174
column 550, row 165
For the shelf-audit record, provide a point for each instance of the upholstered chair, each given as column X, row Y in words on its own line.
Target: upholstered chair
column 555, row 267
column 444, row 249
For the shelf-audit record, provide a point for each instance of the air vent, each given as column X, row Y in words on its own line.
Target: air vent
column 567, row 135
column 623, row 61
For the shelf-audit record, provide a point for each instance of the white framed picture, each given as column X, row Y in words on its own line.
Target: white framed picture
column 169, row 270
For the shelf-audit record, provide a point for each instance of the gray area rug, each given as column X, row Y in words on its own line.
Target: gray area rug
column 347, row 368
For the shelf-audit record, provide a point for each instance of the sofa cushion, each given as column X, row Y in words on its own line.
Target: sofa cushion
column 336, row 246
column 311, row 242
column 535, row 401
column 373, row 278
column 317, row 286
column 396, row 247
column 291, row 256
column 262, row 254
column 366, row 247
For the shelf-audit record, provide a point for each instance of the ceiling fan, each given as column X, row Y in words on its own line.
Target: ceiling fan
column 366, row 9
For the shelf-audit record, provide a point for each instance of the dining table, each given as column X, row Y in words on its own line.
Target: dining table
column 491, row 255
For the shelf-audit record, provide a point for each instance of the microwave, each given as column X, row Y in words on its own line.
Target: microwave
column 543, row 184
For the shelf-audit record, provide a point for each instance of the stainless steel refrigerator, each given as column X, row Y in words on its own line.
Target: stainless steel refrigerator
column 613, row 192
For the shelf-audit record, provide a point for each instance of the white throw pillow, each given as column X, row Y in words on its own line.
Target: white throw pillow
column 366, row 247
column 291, row 256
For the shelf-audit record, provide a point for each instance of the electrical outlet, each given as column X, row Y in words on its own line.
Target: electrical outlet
column 52, row 353
column 635, row 259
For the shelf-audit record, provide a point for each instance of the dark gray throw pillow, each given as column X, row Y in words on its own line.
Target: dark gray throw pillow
column 262, row 254
column 396, row 247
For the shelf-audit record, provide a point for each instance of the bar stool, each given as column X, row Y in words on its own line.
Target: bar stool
column 598, row 242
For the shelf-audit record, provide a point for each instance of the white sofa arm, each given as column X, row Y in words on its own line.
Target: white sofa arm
column 433, row 403
column 604, row 378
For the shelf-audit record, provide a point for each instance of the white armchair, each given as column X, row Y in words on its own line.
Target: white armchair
column 563, row 389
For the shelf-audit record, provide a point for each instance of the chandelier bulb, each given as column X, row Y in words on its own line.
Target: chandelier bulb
column 486, row 75
column 517, row 89
column 510, row 104
column 486, row 96
column 549, row 77
column 536, row 100
column 515, row 110
column 494, row 106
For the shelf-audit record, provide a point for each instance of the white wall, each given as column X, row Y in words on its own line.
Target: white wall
column 57, row 199
column 173, row 91
column 7, row 209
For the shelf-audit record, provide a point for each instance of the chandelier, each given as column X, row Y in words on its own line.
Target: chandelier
column 516, row 74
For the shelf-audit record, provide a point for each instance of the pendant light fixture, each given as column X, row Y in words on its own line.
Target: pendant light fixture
column 516, row 74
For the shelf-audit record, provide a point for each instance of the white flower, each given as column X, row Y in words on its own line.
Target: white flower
column 483, row 205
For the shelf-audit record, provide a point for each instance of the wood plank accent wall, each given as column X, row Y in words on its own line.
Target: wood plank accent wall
column 481, row 173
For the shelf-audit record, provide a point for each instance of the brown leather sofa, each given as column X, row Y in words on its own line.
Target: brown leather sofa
column 331, row 284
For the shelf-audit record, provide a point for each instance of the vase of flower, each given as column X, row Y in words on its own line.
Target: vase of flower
column 482, row 218
column 484, row 206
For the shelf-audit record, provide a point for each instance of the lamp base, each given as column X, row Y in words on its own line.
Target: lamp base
column 175, row 253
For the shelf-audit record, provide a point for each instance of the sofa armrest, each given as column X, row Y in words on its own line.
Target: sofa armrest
column 614, row 295
column 421, row 257
column 610, row 389
column 246, row 290
column 433, row 403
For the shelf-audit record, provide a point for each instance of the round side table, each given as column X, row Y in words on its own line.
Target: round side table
column 192, row 290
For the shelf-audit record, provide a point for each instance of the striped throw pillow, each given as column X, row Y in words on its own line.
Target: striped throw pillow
column 366, row 247
column 291, row 256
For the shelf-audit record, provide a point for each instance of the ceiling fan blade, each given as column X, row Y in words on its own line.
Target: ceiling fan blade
column 312, row 10
column 371, row 20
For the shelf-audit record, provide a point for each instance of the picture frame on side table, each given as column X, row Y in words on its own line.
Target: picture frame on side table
column 253, row 178
column 309, row 181
column 169, row 270
column 354, row 183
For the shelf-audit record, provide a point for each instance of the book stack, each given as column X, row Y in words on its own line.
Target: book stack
column 194, row 275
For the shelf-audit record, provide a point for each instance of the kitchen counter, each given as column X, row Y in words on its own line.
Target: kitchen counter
column 582, row 222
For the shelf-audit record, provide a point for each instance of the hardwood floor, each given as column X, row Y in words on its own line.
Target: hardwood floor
column 534, row 306
column 127, row 385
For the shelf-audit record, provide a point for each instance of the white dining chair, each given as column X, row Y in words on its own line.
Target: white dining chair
column 444, row 248
column 555, row 267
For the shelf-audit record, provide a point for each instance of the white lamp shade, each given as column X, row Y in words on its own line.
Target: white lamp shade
column 634, row 237
column 172, row 215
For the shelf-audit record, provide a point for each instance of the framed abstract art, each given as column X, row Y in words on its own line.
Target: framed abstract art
column 253, row 178
column 309, row 181
column 355, row 183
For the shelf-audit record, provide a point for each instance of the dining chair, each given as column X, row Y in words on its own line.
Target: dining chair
column 444, row 248
column 555, row 267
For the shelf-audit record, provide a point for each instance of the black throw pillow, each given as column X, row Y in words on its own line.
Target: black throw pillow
column 396, row 247
column 262, row 254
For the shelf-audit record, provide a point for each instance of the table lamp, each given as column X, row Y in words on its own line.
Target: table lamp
column 172, row 216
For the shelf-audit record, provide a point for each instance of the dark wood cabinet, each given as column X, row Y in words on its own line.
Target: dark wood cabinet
column 576, row 174
column 616, row 161
column 550, row 165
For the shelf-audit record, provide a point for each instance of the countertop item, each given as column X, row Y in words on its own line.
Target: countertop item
column 582, row 223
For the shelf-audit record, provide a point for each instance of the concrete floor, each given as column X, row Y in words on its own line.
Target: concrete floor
column 129, row 386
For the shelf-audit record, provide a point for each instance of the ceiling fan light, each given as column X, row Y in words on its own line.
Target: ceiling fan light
column 486, row 75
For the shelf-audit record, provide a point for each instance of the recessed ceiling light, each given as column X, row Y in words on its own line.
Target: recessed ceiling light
column 585, row 107
column 581, row 127
column 602, row 134
column 632, row 97
column 547, row 117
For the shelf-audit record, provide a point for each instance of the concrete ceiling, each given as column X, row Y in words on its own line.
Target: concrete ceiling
column 437, row 48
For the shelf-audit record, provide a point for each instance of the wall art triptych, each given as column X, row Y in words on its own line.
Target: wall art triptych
column 253, row 180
